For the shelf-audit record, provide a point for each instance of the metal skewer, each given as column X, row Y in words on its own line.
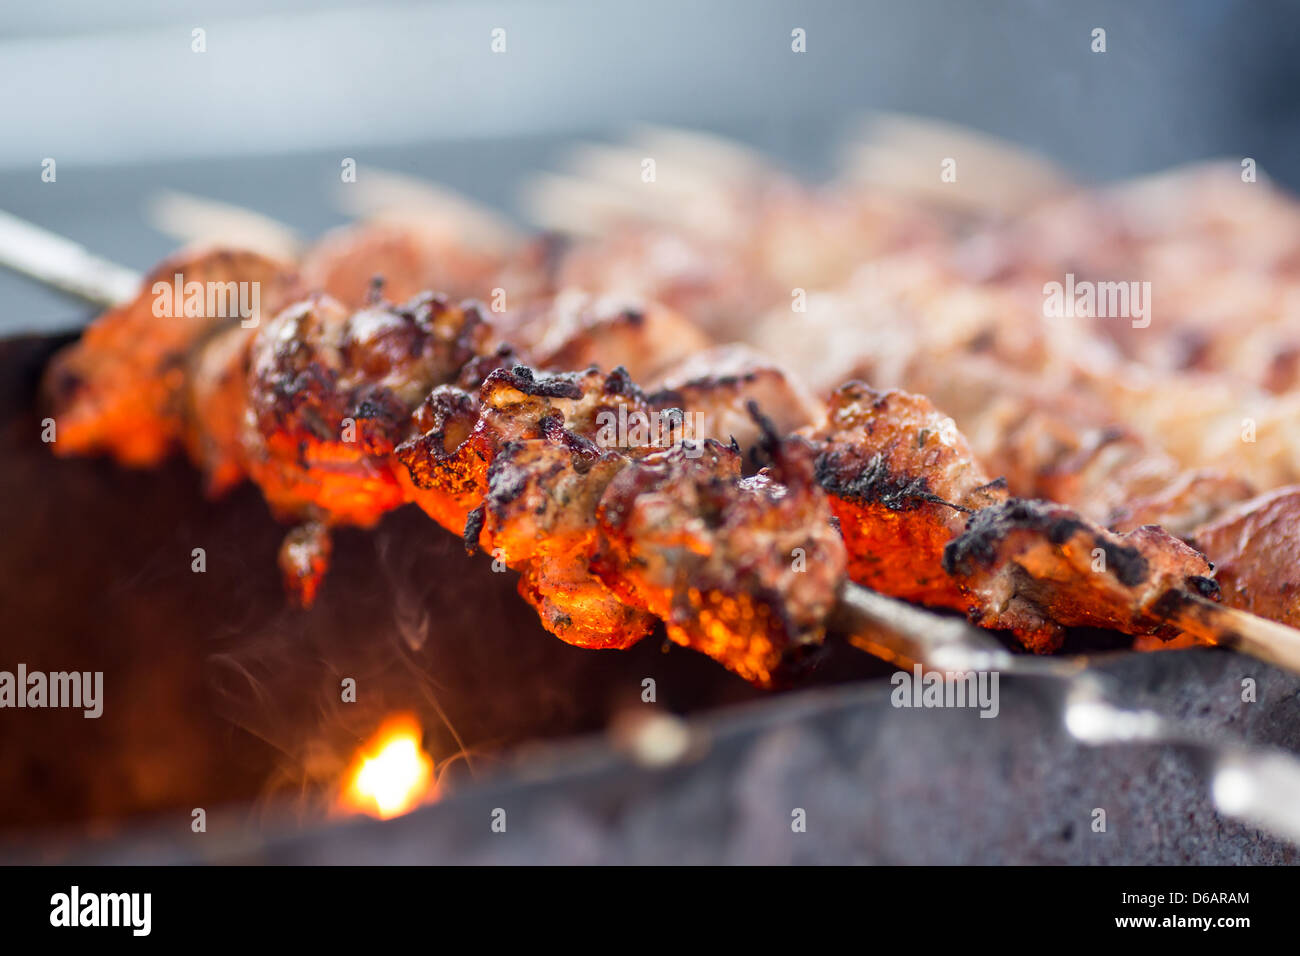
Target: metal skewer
column 1256, row 785
column 60, row 263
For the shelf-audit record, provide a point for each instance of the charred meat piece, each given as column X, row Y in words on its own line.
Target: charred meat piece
column 611, row 529
column 744, row 570
column 121, row 388
column 716, row 388
column 526, row 478
column 902, row 484
column 1256, row 554
column 1035, row 568
column 922, row 521
column 331, row 394
column 539, row 517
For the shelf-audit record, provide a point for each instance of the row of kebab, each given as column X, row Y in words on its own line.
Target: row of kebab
column 881, row 399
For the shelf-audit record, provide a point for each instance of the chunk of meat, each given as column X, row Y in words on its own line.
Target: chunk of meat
column 922, row 522
column 120, row 389
column 902, row 482
column 744, row 570
column 1255, row 547
column 331, row 394
column 716, row 388
column 575, row 330
column 410, row 258
column 1035, row 568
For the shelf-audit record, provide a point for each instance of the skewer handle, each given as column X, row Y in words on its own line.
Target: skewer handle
column 1259, row 637
column 63, row 264
column 906, row 635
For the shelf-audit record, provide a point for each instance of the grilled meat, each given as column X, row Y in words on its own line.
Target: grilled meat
column 331, row 392
column 922, row 521
column 574, row 330
column 121, row 388
column 718, row 385
column 1256, row 552
column 612, row 528
column 745, row 570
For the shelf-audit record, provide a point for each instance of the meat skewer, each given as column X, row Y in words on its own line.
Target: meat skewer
column 1059, row 407
column 1050, row 352
column 283, row 380
column 307, row 369
column 533, row 459
column 1060, row 438
column 1116, row 608
column 308, row 403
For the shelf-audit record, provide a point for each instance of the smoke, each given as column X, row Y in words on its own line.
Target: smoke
column 316, row 684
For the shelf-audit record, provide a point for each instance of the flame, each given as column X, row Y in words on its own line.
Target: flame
column 391, row 774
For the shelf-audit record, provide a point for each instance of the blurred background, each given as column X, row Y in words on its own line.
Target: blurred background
column 117, row 96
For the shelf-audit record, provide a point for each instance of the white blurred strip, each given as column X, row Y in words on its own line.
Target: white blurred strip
column 904, row 153
column 386, row 195
column 194, row 220
column 1262, row 789
column 61, row 263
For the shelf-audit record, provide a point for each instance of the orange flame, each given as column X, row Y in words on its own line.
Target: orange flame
column 391, row 774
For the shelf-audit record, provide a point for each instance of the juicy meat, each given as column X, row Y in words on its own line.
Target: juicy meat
column 561, row 502
column 1256, row 554
column 574, row 330
column 921, row 521
column 330, row 394
column 744, row 570
column 902, row 482
column 1035, row 568
column 718, row 386
column 441, row 471
column 539, row 517
column 526, row 478
column 121, row 388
